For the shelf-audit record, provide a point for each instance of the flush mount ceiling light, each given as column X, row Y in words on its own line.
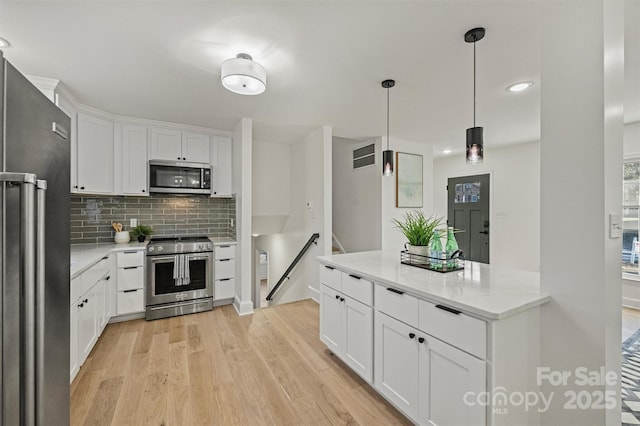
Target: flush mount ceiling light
column 387, row 156
column 475, row 143
column 243, row 75
column 4, row 43
column 520, row 86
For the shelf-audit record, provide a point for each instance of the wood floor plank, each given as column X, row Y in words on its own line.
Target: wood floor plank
column 217, row 368
column 104, row 403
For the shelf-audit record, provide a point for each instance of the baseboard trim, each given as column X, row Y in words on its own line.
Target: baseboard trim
column 243, row 308
column 628, row 302
column 314, row 294
column 126, row 317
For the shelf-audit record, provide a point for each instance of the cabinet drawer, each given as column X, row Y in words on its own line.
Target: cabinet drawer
column 224, row 289
column 130, row 258
column 83, row 282
column 331, row 277
column 225, row 252
column 454, row 327
column 397, row 304
column 130, row 301
column 358, row 288
column 131, row 277
column 225, row 268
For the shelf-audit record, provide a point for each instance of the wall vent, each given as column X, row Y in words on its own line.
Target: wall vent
column 364, row 156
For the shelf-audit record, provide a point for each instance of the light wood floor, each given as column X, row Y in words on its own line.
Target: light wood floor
column 217, row 368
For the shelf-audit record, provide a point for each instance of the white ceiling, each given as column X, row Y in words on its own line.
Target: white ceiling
column 325, row 61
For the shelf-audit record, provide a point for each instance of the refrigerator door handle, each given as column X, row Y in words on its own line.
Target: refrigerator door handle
column 27, row 183
column 41, row 188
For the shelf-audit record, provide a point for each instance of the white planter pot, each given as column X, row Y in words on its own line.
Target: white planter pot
column 419, row 250
column 122, row 237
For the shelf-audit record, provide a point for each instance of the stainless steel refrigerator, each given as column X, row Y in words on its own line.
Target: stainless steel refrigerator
column 34, row 263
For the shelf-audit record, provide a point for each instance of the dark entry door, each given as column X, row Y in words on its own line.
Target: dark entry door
column 468, row 210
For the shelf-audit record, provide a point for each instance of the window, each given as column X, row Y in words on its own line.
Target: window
column 364, row 156
column 630, row 216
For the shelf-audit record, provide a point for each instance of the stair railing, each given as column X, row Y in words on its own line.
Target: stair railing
column 285, row 276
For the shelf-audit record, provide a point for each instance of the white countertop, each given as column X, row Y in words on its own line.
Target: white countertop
column 490, row 292
column 83, row 256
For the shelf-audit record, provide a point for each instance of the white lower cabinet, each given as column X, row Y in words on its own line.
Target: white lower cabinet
column 447, row 374
column 130, row 289
column 427, row 378
column 224, row 272
column 346, row 327
column 397, row 363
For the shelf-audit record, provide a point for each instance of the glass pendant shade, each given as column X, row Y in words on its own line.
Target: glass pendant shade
column 475, row 145
column 387, row 163
column 243, row 75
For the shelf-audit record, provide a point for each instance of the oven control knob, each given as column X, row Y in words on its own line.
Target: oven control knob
column 160, row 248
column 150, row 249
column 210, row 246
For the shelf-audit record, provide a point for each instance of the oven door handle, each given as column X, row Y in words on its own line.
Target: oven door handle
column 160, row 259
column 200, row 256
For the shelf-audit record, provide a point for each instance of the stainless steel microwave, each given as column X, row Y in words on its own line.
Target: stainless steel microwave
column 179, row 177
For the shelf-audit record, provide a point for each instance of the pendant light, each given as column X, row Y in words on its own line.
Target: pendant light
column 475, row 143
column 387, row 155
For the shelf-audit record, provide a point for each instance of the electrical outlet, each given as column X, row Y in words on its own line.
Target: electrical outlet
column 231, row 222
column 133, row 222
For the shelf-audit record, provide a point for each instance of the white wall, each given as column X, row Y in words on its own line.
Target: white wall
column 241, row 184
column 271, row 179
column 356, row 197
column 392, row 239
column 581, row 165
column 515, row 200
column 310, row 182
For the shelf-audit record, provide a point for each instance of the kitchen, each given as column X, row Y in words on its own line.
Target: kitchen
column 203, row 120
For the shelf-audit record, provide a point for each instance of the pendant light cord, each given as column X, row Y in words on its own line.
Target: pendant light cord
column 474, row 84
column 387, row 119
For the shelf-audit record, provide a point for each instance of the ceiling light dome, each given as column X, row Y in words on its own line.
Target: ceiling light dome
column 244, row 76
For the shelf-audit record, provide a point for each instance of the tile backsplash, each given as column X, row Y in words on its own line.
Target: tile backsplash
column 92, row 215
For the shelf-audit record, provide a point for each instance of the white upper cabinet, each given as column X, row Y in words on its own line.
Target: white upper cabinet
column 95, row 156
column 168, row 144
column 221, row 166
column 196, row 147
column 134, row 160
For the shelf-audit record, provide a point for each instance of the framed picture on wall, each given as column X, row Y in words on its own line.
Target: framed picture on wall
column 408, row 180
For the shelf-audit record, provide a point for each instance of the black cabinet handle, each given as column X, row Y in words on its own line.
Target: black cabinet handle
column 222, row 260
column 85, row 301
column 178, row 158
column 448, row 309
column 337, row 297
column 144, row 190
column 355, row 277
column 225, row 279
column 105, row 258
column 130, row 267
column 81, row 305
column 329, row 267
column 421, row 339
column 130, row 291
column 107, row 278
column 130, row 252
column 393, row 290
column 412, row 335
column 342, row 299
column 224, row 246
column 82, row 187
column 75, row 186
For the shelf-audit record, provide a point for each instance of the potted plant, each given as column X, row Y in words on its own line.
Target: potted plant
column 419, row 231
column 140, row 232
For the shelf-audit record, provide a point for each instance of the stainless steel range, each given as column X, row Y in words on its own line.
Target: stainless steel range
column 179, row 276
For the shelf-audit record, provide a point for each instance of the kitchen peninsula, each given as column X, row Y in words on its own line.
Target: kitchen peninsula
column 439, row 346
